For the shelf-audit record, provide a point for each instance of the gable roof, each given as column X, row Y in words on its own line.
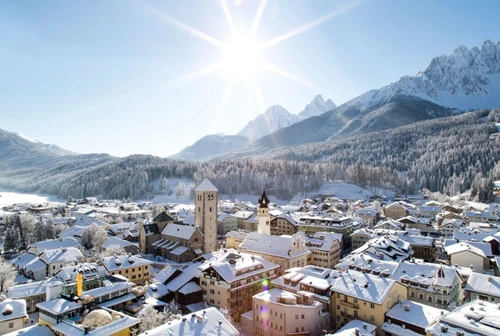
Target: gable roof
column 206, row 185
column 179, row 231
column 207, row 322
column 163, row 217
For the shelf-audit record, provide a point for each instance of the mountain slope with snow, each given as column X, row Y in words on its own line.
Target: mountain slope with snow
column 316, row 107
column 210, row 146
column 273, row 119
column 14, row 146
column 466, row 79
column 276, row 117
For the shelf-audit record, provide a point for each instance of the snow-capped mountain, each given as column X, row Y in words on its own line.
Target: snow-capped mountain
column 212, row 145
column 316, row 107
column 15, row 144
column 277, row 117
column 467, row 79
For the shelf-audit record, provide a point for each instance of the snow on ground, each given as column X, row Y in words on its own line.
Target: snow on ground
column 337, row 189
column 10, row 197
column 477, row 205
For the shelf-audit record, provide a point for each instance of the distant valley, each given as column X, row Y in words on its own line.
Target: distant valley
column 412, row 134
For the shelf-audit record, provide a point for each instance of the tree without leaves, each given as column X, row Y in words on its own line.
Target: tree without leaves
column 152, row 318
column 7, row 275
column 94, row 237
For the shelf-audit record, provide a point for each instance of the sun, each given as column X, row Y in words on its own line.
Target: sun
column 242, row 56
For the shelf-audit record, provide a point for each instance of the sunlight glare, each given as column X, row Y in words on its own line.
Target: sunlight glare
column 242, row 57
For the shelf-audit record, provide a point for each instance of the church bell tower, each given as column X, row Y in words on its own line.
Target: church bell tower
column 263, row 214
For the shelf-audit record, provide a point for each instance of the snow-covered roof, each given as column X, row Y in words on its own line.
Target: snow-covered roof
column 357, row 328
column 283, row 246
column 12, row 309
column 390, row 247
column 35, row 330
column 64, row 255
column 88, row 270
column 464, row 247
column 23, row 259
column 473, row 318
column 32, row 289
column 414, row 313
column 114, row 241
column 237, row 234
column 483, row 284
column 123, row 261
column 363, row 286
column 74, row 231
column 206, row 185
column 232, row 265
column 179, row 231
column 273, row 295
column 109, row 287
column 58, row 306
column 243, row 214
column 179, row 250
column 190, row 287
column 35, row 265
column 222, row 216
column 207, row 322
column 165, row 274
column 316, row 277
column 188, row 274
column 485, row 247
column 53, row 244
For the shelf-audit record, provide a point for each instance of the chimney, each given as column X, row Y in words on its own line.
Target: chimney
column 407, row 307
column 356, row 332
column 52, row 292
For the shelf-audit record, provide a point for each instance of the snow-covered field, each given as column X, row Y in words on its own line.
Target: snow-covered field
column 10, row 197
column 338, row 189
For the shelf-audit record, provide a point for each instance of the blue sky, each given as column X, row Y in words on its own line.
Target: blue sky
column 101, row 76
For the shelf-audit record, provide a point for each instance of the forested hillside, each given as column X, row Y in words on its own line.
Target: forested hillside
column 449, row 155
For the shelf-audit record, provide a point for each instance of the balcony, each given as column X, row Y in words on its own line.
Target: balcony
column 346, row 314
column 349, row 304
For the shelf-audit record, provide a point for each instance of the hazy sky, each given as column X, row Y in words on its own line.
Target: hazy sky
column 107, row 76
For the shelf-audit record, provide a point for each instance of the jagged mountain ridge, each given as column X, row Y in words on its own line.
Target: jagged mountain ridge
column 211, row 146
column 277, row 117
column 466, row 79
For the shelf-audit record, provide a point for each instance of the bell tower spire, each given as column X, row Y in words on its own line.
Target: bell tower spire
column 263, row 214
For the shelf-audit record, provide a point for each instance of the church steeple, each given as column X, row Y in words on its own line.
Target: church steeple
column 263, row 214
column 263, row 200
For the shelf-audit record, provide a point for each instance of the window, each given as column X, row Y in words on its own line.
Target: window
column 303, row 317
column 212, row 291
column 11, row 325
column 356, row 313
column 372, row 318
column 372, row 305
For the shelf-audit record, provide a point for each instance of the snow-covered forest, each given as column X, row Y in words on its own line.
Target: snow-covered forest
column 449, row 155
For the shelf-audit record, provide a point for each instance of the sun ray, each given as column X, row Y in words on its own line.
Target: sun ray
column 199, row 73
column 229, row 17
column 258, row 93
column 288, row 75
column 258, row 16
column 225, row 98
column 185, row 27
column 308, row 26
